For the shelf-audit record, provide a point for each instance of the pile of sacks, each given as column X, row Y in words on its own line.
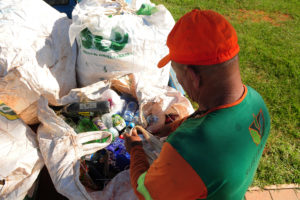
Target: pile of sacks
column 45, row 58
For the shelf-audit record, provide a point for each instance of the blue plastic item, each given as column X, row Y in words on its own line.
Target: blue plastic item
column 63, row 7
column 120, row 155
column 173, row 82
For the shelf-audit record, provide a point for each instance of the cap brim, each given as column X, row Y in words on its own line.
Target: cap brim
column 165, row 60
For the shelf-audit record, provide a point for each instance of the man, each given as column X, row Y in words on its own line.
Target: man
column 214, row 153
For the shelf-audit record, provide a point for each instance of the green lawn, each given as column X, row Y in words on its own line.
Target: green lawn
column 269, row 38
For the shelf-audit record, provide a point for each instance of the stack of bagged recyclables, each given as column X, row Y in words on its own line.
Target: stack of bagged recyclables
column 79, row 136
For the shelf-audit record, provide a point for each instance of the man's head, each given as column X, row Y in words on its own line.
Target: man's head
column 203, row 49
column 198, row 81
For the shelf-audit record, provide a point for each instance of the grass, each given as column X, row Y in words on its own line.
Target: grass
column 269, row 38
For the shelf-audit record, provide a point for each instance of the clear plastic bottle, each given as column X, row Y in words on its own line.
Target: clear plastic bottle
column 131, row 107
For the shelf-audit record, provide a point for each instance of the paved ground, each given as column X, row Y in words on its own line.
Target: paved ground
column 276, row 192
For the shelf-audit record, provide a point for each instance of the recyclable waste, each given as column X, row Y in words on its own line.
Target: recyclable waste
column 97, row 169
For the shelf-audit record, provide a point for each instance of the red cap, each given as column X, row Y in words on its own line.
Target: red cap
column 201, row 37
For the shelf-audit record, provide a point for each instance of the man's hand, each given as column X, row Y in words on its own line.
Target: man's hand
column 133, row 140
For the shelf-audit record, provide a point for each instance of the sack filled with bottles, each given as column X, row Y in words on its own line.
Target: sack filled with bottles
column 81, row 140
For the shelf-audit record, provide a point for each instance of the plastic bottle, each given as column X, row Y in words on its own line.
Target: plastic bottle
column 131, row 107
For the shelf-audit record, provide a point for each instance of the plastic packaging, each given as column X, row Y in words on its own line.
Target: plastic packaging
column 118, row 122
column 116, row 103
column 131, row 107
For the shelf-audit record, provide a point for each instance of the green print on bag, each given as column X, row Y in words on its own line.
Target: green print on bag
column 147, row 9
column 7, row 112
column 90, row 41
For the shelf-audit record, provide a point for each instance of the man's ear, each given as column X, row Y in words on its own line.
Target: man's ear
column 194, row 77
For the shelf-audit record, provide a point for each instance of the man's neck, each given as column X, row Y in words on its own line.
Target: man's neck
column 218, row 96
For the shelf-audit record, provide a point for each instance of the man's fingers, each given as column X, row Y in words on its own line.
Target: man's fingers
column 134, row 132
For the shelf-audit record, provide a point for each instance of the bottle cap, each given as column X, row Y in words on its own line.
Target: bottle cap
column 131, row 125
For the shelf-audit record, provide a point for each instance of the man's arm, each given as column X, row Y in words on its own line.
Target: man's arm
column 138, row 159
column 169, row 177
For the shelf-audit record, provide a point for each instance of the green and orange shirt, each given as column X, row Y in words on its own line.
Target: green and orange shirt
column 209, row 156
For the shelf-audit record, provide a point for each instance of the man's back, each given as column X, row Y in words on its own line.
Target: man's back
column 224, row 146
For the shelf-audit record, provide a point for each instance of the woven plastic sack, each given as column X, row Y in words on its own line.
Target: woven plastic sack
column 36, row 57
column 119, row 188
column 21, row 160
column 61, row 147
column 115, row 39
